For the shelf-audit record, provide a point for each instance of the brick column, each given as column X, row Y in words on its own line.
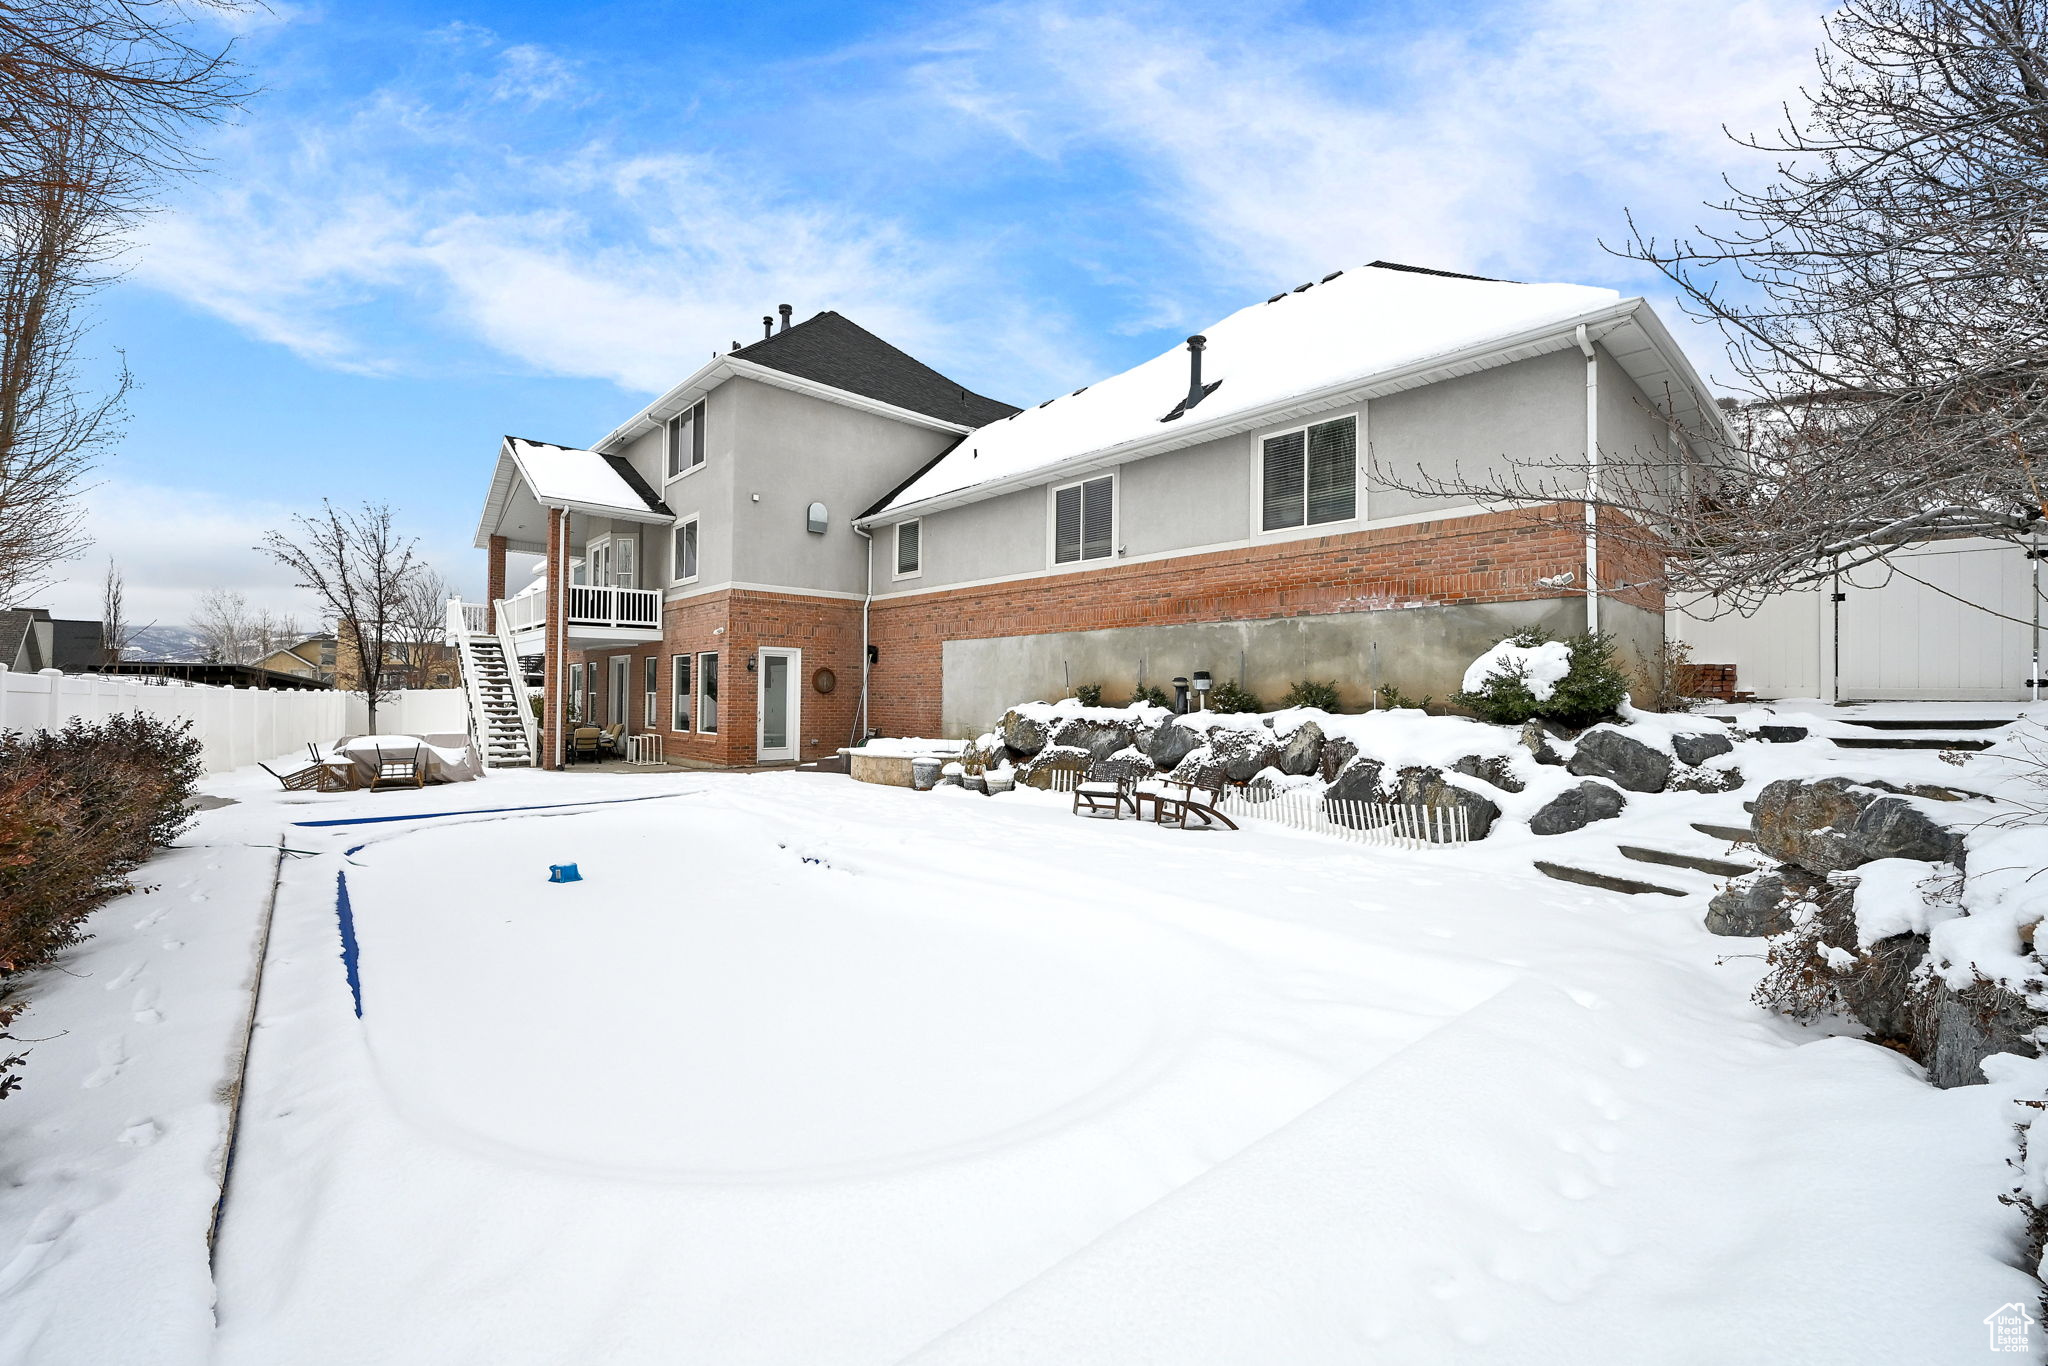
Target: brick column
column 554, row 640
column 494, row 587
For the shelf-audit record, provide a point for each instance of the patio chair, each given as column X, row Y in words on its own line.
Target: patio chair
column 584, row 744
column 1178, row 811
column 612, row 740
column 299, row 779
column 399, row 769
column 1111, row 795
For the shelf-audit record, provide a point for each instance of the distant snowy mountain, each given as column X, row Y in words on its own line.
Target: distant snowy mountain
column 168, row 645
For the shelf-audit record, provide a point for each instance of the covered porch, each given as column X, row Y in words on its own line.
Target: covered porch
column 600, row 532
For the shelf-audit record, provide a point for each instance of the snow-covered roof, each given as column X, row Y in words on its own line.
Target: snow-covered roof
column 535, row 475
column 1350, row 327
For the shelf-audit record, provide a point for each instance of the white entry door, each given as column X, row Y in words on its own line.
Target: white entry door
column 781, row 709
column 622, row 678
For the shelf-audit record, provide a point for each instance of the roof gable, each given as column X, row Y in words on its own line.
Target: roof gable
column 834, row 350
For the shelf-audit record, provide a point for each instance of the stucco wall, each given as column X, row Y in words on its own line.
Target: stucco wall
column 1531, row 411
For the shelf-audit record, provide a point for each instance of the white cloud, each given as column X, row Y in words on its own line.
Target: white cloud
column 171, row 544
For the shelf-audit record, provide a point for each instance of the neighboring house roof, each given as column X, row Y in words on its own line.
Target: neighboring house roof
column 77, row 645
column 832, row 349
column 17, row 649
column 1381, row 328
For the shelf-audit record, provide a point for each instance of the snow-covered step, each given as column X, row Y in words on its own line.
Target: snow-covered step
column 1734, row 834
column 1612, row 882
column 1918, row 723
column 1896, row 741
column 1699, row 863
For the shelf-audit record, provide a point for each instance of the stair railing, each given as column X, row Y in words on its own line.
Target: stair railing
column 517, row 677
column 459, row 619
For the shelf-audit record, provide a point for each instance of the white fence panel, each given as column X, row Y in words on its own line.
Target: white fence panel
column 415, row 711
column 236, row 725
column 1780, row 651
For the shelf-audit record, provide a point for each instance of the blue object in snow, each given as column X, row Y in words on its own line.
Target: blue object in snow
column 563, row 872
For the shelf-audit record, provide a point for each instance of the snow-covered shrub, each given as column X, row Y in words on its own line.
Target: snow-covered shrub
column 1089, row 694
column 1393, row 699
column 80, row 808
column 1530, row 675
column 1307, row 692
column 1151, row 695
column 1231, row 697
column 10, row 1080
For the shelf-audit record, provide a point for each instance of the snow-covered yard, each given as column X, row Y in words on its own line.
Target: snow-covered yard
column 811, row 1071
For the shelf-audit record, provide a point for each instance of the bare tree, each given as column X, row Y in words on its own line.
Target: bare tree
column 116, row 631
column 358, row 566
column 1884, row 299
column 226, row 626
column 422, row 623
column 95, row 97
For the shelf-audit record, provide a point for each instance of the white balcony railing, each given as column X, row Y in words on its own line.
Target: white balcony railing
column 631, row 608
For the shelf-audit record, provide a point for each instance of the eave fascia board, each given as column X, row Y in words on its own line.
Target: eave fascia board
column 723, row 368
column 1534, row 341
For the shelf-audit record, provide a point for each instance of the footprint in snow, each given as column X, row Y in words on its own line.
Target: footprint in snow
column 144, row 1006
column 128, row 974
column 174, row 943
column 140, row 1135
column 151, row 918
column 113, row 1057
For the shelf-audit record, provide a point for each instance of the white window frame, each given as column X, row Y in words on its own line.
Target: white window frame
column 896, row 550
column 1258, row 477
column 700, row 456
column 698, row 682
column 597, row 561
column 682, row 687
column 576, row 694
column 1052, row 521
column 650, row 683
column 674, row 560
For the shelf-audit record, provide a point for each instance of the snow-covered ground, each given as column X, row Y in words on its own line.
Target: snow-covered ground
column 805, row 1070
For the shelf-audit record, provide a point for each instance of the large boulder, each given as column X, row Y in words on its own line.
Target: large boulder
column 1880, row 990
column 1021, row 734
column 1972, row 1024
column 1828, row 825
column 1336, row 754
column 1705, row 780
column 1490, row 768
column 1242, row 753
column 1171, row 743
column 1099, row 738
column 1536, row 737
column 1759, row 904
column 1575, row 808
column 1301, row 753
column 1358, row 782
column 1607, row 752
column 1427, row 787
column 1697, row 748
column 1035, row 771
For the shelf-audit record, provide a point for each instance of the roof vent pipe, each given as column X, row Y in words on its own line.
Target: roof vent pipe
column 767, row 327
column 1195, row 345
column 785, row 310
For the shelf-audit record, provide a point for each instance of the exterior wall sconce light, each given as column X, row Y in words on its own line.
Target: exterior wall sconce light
column 750, row 663
column 814, row 519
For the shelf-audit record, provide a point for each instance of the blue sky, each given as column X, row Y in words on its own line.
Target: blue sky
column 441, row 222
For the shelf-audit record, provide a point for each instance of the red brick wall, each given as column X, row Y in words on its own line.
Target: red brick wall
column 1496, row 557
column 827, row 630
column 1715, row 681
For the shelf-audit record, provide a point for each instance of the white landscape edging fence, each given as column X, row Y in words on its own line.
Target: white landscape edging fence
column 1399, row 824
column 238, row 726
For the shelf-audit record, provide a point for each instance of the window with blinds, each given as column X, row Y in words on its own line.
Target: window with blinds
column 1310, row 476
column 1084, row 520
column 679, row 685
column 909, row 548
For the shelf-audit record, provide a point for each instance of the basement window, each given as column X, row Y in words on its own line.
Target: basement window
column 1084, row 520
column 1309, row 476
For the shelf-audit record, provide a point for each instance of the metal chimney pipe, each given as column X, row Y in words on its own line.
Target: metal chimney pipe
column 767, row 327
column 785, row 310
column 1196, row 344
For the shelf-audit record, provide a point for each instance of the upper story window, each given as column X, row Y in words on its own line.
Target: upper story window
column 1309, row 476
column 1084, row 520
column 685, row 562
column 685, row 440
column 909, row 548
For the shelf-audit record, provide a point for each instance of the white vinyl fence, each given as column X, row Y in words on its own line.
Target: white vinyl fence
column 238, row 725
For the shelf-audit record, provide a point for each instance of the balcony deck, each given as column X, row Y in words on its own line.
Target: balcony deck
column 597, row 616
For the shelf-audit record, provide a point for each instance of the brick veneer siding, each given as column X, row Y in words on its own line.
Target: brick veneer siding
column 1490, row 558
column 1713, row 681
column 494, row 588
column 827, row 630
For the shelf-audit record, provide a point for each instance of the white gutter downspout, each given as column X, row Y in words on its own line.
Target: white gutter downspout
column 1592, row 480
column 860, row 719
